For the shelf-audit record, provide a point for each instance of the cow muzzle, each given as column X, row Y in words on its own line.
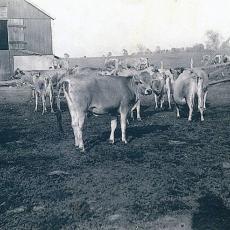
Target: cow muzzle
column 148, row 91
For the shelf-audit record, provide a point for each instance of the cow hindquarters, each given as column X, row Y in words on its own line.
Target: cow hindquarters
column 78, row 119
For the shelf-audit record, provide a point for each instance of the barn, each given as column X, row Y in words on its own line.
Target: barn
column 25, row 32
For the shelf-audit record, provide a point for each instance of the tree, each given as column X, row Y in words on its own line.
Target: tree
column 225, row 45
column 125, row 52
column 213, row 40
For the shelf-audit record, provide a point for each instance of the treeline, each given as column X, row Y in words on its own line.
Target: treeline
column 214, row 43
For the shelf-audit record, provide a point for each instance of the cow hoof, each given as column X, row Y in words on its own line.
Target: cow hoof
column 125, row 142
column 139, row 119
column 82, row 150
column 111, row 142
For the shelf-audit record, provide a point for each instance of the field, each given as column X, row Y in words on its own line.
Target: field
column 173, row 174
column 171, row 60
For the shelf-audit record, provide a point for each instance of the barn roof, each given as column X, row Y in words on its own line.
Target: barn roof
column 43, row 11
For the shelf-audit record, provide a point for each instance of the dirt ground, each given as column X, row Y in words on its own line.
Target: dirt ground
column 171, row 175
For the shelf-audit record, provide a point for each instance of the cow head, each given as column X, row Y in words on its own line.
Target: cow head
column 144, row 81
column 158, row 82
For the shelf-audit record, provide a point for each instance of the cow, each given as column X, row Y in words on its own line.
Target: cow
column 43, row 87
column 191, row 84
column 102, row 95
column 168, row 78
column 158, row 83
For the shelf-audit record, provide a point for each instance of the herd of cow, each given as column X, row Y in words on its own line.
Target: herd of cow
column 116, row 90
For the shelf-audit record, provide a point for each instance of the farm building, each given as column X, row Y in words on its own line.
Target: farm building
column 25, row 35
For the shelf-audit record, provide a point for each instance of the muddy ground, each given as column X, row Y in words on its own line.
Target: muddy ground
column 171, row 175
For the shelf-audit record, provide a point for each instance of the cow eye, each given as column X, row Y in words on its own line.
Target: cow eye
column 141, row 82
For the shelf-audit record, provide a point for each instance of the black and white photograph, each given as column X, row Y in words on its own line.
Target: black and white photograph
column 114, row 115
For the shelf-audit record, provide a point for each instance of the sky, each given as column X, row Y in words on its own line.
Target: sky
column 96, row 27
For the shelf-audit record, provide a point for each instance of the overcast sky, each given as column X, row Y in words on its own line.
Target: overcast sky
column 95, row 27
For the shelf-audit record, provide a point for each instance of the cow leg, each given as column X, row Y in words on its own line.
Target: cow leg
column 59, row 100
column 169, row 99
column 177, row 112
column 33, row 93
column 74, row 119
column 123, row 127
column 51, row 101
column 36, row 102
column 138, row 105
column 81, row 121
column 205, row 98
column 162, row 101
column 201, row 105
column 156, row 101
column 43, row 104
column 190, row 105
column 113, row 128
column 131, row 113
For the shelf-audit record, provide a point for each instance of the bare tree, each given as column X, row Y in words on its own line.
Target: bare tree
column 213, row 40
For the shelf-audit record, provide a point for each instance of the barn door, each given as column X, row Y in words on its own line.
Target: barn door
column 3, row 35
column 16, row 34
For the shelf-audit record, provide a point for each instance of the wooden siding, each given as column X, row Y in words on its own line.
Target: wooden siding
column 23, row 9
column 38, row 36
column 16, row 34
column 4, row 65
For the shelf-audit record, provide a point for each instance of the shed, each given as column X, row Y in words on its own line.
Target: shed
column 25, row 30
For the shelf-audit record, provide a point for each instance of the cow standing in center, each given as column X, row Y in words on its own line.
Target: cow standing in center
column 100, row 95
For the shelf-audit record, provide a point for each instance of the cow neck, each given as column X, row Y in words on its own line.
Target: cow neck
column 133, row 87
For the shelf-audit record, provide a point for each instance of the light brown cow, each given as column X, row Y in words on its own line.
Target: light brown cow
column 43, row 87
column 101, row 95
column 191, row 84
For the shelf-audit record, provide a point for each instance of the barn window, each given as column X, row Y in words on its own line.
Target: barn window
column 4, row 35
column 3, row 12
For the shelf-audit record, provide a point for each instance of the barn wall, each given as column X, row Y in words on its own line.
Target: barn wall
column 22, row 9
column 35, row 62
column 4, row 65
column 38, row 35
